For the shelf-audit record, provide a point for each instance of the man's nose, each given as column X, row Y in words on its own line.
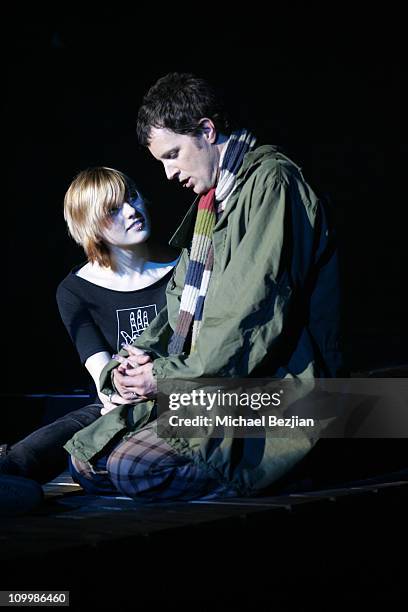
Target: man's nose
column 171, row 171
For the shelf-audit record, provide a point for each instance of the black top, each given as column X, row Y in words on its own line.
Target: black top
column 99, row 319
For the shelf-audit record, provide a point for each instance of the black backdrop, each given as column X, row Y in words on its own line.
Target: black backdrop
column 71, row 98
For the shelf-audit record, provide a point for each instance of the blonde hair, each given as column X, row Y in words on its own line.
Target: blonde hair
column 87, row 206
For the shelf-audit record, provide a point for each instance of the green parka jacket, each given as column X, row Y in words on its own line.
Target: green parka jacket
column 271, row 310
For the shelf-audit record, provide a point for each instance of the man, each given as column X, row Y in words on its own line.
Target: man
column 255, row 294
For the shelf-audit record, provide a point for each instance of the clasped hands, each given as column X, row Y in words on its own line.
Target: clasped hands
column 133, row 378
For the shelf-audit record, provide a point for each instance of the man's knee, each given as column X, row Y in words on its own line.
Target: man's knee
column 80, row 468
column 136, row 472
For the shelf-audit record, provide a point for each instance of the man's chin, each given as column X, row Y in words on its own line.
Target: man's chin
column 201, row 190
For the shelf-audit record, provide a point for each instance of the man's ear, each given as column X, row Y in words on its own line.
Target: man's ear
column 208, row 129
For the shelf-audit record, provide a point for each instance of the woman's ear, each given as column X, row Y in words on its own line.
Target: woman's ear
column 208, row 129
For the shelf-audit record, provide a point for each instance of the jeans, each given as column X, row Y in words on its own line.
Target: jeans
column 41, row 456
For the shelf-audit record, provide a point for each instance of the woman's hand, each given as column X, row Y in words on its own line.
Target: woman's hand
column 136, row 356
column 113, row 401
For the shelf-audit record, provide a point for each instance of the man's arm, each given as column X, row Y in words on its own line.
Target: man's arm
column 248, row 310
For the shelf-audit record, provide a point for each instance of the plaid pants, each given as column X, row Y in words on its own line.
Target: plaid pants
column 146, row 468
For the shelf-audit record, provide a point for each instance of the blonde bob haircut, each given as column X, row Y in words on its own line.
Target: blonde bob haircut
column 90, row 199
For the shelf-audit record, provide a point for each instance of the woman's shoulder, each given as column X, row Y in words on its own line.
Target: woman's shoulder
column 70, row 283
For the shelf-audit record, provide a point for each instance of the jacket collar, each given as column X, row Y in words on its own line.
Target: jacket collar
column 184, row 233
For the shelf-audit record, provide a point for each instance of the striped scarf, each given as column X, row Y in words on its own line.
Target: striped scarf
column 202, row 253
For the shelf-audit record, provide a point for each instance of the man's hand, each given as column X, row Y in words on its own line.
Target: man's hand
column 133, row 378
column 133, row 383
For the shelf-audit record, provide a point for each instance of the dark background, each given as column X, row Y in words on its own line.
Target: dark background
column 70, row 101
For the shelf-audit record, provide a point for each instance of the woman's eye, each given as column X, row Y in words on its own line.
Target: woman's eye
column 136, row 202
column 114, row 211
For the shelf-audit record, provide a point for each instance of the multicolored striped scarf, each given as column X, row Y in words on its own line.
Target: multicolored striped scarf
column 202, row 253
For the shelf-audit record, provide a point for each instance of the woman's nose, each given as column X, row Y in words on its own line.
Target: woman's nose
column 128, row 210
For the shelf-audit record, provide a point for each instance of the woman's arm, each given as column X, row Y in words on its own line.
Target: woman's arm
column 87, row 339
column 95, row 364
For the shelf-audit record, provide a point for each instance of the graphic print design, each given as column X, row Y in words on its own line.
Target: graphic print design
column 132, row 321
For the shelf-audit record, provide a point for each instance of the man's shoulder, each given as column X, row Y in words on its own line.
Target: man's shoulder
column 268, row 162
column 268, row 171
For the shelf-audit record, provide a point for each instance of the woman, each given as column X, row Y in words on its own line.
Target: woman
column 104, row 303
column 110, row 300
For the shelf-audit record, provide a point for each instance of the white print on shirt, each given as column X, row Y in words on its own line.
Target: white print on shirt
column 132, row 321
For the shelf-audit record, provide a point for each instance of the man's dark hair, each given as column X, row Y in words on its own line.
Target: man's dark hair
column 177, row 102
